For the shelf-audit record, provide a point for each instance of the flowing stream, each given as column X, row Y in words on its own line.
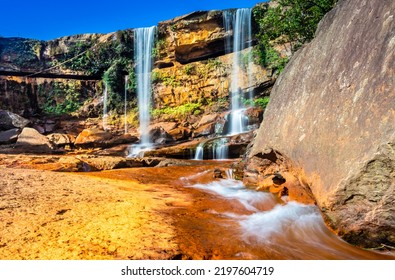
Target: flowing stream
column 258, row 225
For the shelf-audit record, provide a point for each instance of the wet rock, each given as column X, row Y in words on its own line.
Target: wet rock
column 278, row 179
column 336, row 130
column 9, row 120
column 9, row 136
column 217, row 173
column 30, row 140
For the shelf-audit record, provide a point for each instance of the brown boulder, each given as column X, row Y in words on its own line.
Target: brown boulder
column 30, row 140
column 89, row 138
column 331, row 118
column 95, row 138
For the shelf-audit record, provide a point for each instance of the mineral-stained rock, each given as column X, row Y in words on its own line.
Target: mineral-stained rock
column 10, row 120
column 30, row 140
column 331, row 119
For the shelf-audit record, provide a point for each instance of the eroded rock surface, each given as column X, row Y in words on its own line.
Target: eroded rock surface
column 331, row 117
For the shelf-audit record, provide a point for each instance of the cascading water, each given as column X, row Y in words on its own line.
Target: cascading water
column 266, row 228
column 240, row 23
column 220, row 149
column 126, row 105
column 143, row 45
column 144, row 41
column 199, row 151
column 105, row 101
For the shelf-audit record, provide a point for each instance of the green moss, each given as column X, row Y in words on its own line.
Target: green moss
column 179, row 112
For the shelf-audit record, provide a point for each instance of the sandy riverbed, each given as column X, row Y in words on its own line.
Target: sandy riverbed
column 49, row 215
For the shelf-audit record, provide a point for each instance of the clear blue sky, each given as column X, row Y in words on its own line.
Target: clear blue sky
column 49, row 19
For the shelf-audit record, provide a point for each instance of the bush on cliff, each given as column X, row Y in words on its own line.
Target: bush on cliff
column 286, row 22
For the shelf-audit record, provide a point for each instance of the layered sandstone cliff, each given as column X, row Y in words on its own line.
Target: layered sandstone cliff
column 190, row 66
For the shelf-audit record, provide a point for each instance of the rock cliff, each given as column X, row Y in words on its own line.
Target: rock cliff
column 331, row 122
column 190, row 67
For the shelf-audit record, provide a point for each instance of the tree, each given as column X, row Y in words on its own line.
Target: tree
column 287, row 21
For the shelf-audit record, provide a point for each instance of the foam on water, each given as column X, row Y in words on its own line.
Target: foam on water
column 267, row 228
column 232, row 189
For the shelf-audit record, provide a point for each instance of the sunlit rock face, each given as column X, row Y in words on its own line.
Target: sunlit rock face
column 190, row 66
column 331, row 119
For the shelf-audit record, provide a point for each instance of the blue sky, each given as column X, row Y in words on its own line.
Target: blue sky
column 47, row 20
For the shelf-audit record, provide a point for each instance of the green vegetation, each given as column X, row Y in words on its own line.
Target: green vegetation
column 166, row 79
column 25, row 53
column 179, row 112
column 214, row 63
column 291, row 22
column 111, row 59
column 157, row 50
column 189, row 69
column 64, row 99
column 257, row 102
column 262, row 102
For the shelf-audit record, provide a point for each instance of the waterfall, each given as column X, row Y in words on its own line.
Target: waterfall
column 105, row 101
column 126, row 104
column 199, row 151
column 144, row 41
column 240, row 23
column 220, row 149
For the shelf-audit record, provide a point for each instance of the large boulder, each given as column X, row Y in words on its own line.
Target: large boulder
column 96, row 138
column 90, row 138
column 10, row 120
column 331, row 121
column 31, row 141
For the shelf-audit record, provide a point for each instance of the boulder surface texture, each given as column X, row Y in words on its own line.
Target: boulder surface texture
column 332, row 117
